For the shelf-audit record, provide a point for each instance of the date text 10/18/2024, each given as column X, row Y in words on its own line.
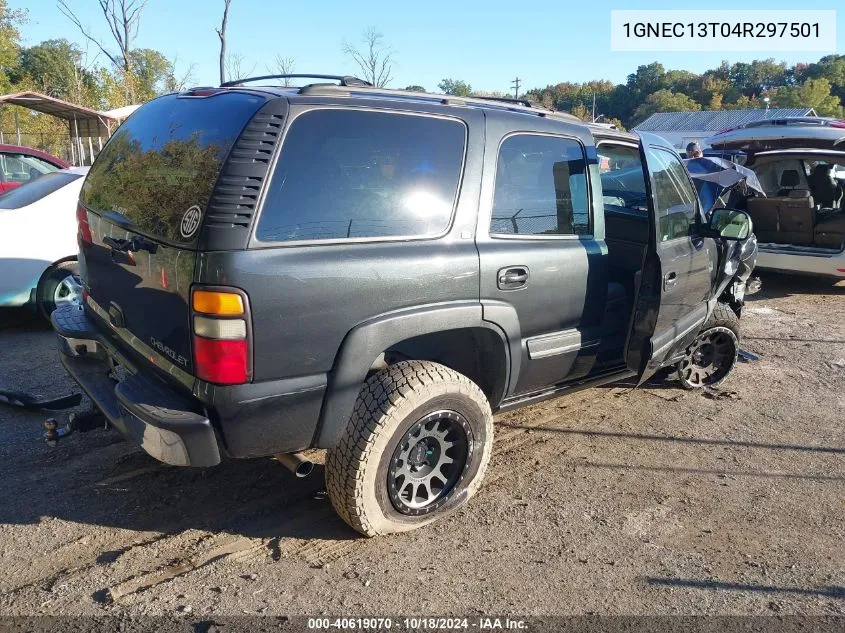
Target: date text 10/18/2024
column 418, row 624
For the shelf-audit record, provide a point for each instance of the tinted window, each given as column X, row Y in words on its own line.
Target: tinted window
column 675, row 196
column 357, row 174
column 541, row 187
column 35, row 190
column 165, row 159
column 622, row 180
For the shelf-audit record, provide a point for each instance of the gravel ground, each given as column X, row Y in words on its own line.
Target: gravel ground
column 609, row 501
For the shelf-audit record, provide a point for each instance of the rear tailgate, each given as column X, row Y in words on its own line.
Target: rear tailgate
column 774, row 137
column 141, row 211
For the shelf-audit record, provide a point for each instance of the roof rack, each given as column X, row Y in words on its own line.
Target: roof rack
column 343, row 80
column 522, row 102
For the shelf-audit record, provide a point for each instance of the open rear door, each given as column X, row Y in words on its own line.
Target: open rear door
column 675, row 282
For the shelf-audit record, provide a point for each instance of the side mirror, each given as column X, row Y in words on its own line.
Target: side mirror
column 729, row 224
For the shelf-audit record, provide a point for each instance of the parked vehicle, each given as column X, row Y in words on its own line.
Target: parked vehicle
column 38, row 242
column 374, row 272
column 19, row 165
column 801, row 221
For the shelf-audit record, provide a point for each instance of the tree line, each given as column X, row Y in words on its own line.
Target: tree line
column 110, row 71
column 740, row 86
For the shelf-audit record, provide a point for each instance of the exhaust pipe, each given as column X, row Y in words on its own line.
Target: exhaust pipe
column 297, row 463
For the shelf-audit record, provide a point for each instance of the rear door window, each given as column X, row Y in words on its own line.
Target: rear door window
column 164, row 162
column 541, row 187
column 358, row 174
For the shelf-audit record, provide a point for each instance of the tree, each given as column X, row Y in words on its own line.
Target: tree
column 283, row 66
column 456, row 87
column 10, row 38
column 665, row 101
column 123, row 18
column 832, row 68
column 375, row 59
column 744, row 103
column 761, row 74
column 221, row 33
column 154, row 74
column 415, row 88
column 235, row 64
column 51, row 66
column 813, row 93
column 582, row 112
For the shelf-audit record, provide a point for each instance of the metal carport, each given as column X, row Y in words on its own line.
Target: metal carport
column 83, row 123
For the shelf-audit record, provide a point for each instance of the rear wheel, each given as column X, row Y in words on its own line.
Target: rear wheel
column 415, row 449
column 59, row 285
column 712, row 356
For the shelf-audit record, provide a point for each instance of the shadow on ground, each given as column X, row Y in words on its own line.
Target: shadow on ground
column 776, row 285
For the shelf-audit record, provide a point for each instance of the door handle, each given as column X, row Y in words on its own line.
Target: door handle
column 513, row 277
column 670, row 279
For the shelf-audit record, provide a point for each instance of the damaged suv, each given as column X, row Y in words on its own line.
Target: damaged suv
column 376, row 272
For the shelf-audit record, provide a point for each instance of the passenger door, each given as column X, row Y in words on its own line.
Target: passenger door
column 542, row 253
column 679, row 269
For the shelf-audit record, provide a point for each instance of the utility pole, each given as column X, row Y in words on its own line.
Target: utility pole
column 515, row 85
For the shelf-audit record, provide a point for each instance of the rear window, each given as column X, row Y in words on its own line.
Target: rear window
column 34, row 190
column 353, row 174
column 161, row 165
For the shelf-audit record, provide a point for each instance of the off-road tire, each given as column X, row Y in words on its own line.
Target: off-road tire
column 389, row 404
column 52, row 277
column 722, row 316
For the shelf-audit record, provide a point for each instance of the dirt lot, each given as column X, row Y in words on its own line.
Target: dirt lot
column 610, row 501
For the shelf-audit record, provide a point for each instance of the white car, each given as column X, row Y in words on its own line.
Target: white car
column 800, row 163
column 38, row 246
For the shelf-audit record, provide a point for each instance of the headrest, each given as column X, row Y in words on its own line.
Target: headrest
column 789, row 178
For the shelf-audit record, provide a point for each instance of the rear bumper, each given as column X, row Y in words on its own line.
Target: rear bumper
column 165, row 424
column 822, row 265
column 181, row 427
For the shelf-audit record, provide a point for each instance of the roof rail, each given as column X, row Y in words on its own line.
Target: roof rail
column 522, row 102
column 514, row 105
column 343, row 80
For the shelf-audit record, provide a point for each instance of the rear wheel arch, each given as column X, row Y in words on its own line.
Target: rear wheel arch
column 406, row 333
column 44, row 290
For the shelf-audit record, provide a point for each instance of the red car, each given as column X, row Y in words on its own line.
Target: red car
column 22, row 164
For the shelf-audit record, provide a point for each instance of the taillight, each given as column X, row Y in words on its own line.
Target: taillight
column 838, row 123
column 84, row 232
column 222, row 342
column 221, row 362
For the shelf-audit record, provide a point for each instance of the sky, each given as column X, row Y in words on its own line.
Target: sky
column 487, row 43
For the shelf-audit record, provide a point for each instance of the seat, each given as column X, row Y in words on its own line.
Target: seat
column 830, row 232
column 764, row 216
column 787, row 218
column 789, row 181
column 797, row 217
column 825, row 190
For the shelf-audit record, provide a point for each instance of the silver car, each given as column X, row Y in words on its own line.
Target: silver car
column 800, row 163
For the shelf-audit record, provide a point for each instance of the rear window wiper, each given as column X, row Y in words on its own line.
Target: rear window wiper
column 135, row 244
